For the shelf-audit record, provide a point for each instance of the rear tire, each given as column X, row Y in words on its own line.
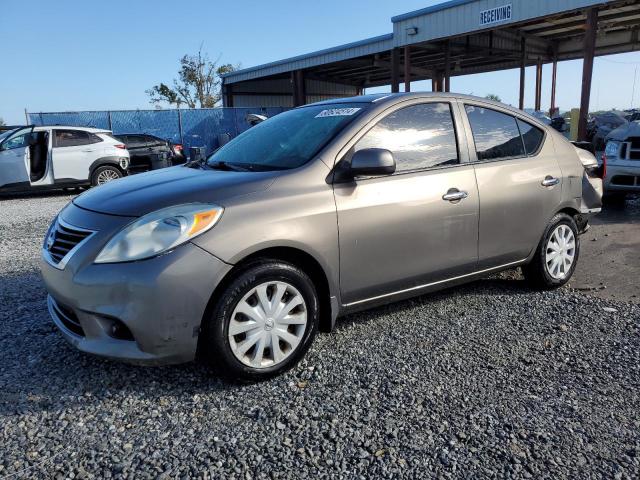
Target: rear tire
column 270, row 337
column 105, row 174
column 556, row 256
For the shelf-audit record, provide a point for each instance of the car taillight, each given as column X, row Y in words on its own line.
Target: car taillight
column 602, row 171
column 121, row 146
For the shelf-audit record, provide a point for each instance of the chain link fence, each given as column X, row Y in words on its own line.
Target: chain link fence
column 200, row 127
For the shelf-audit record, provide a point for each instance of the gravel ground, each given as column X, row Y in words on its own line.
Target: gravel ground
column 486, row 380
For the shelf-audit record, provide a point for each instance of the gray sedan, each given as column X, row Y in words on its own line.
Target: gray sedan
column 317, row 212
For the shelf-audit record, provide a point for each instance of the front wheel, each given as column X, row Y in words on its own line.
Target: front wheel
column 263, row 322
column 557, row 254
column 105, row 174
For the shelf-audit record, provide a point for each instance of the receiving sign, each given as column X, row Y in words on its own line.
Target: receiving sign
column 495, row 15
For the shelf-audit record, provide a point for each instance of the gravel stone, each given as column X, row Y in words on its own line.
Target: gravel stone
column 481, row 381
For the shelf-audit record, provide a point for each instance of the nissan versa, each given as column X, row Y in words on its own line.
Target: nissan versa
column 319, row 211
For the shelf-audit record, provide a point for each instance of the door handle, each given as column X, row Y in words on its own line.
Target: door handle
column 454, row 195
column 550, row 181
column 88, row 150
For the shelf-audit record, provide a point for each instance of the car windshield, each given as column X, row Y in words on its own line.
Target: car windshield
column 6, row 133
column 287, row 140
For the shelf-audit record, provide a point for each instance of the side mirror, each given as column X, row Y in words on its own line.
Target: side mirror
column 372, row 162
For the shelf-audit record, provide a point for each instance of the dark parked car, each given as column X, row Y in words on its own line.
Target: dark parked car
column 148, row 152
column 602, row 124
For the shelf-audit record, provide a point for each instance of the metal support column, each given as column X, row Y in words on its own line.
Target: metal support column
column 395, row 71
column 227, row 96
column 299, row 93
column 447, row 68
column 554, row 76
column 587, row 71
column 538, row 85
column 523, row 64
column 407, row 68
column 179, row 127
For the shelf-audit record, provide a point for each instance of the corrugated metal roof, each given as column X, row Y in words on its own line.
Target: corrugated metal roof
column 448, row 19
column 328, row 55
column 427, row 10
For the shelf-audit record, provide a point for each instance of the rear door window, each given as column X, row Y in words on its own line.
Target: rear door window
column 419, row 136
column 495, row 134
column 71, row 138
column 136, row 141
column 531, row 136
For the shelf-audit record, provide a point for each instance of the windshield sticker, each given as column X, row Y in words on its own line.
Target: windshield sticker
column 337, row 112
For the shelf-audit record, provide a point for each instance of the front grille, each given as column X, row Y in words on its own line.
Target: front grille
column 625, row 180
column 62, row 239
column 67, row 317
column 634, row 149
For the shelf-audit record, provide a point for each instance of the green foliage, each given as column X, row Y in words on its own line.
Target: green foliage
column 197, row 85
column 494, row 97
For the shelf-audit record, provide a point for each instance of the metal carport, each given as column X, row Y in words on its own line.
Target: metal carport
column 459, row 37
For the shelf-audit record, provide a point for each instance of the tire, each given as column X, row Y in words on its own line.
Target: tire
column 105, row 174
column 223, row 352
column 539, row 273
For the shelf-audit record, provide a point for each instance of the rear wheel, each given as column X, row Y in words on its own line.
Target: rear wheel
column 263, row 323
column 557, row 254
column 105, row 174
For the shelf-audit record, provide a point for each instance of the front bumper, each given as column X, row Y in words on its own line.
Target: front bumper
column 623, row 178
column 160, row 301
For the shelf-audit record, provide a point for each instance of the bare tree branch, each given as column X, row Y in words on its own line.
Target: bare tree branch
column 198, row 83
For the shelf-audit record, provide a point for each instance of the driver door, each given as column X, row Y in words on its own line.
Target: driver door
column 14, row 159
column 401, row 232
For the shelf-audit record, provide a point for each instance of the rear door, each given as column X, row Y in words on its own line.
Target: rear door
column 519, row 182
column 14, row 159
column 73, row 153
column 400, row 232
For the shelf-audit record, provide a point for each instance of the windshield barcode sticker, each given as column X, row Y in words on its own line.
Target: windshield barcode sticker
column 337, row 112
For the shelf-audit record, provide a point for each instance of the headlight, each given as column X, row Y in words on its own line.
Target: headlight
column 160, row 231
column 612, row 149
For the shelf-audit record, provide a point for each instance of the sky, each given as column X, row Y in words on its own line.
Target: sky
column 78, row 55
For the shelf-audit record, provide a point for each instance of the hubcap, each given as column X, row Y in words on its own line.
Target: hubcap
column 106, row 176
column 268, row 324
column 560, row 252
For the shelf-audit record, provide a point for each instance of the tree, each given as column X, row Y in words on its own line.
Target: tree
column 198, row 84
column 494, row 97
column 1, row 121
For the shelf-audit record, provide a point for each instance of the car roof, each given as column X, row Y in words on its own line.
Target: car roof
column 71, row 127
column 384, row 98
column 137, row 133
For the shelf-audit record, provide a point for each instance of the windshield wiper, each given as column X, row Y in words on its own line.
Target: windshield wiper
column 200, row 163
column 221, row 165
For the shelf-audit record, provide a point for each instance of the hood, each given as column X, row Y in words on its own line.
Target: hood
column 143, row 193
column 631, row 129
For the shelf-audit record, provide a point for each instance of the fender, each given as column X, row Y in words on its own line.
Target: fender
column 109, row 160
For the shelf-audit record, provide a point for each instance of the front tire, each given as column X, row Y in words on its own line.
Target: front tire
column 556, row 256
column 263, row 322
column 105, row 174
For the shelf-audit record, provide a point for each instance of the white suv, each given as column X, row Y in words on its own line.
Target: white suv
column 59, row 156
